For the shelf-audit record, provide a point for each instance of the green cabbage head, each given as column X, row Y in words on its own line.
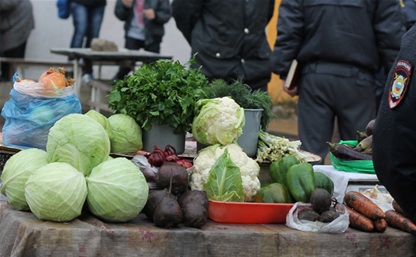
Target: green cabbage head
column 16, row 172
column 127, row 134
column 78, row 140
column 100, row 118
column 218, row 121
column 117, row 190
column 56, row 192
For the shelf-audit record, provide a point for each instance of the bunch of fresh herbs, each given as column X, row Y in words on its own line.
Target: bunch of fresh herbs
column 164, row 92
column 244, row 96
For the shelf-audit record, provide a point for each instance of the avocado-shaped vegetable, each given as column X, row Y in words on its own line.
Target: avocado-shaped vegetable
column 273, row 193
column 320, row 200
column 323, row 181
column 308, row 214
column 278, row 169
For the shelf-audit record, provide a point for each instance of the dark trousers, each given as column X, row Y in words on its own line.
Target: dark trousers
column 136, row 44
column 17, row 52
column 332, row 92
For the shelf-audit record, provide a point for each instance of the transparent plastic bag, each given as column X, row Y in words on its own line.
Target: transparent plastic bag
column 28, row 118
column 339, row 225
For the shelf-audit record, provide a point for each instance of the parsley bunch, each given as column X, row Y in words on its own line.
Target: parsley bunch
column 164, row 92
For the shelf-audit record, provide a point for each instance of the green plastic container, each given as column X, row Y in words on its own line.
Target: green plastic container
column 358, row 166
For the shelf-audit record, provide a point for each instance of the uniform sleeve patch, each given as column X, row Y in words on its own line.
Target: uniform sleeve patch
column 400, row 82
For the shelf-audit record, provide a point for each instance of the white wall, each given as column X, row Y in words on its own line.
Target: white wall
column 50, row 32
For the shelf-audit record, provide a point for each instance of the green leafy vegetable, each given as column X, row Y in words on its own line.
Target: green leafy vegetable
column 100, row 118
column 56, row 192
column 163, row 92
column 225, row 182
column 117, row 190
column 16, row 172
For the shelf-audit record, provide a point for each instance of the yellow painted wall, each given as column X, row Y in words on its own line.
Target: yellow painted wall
column 275, row 85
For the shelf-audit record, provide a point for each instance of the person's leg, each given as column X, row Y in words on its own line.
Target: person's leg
column 131, row 44
column 356, row 106
column 80, row 21
column 316, row 115
column 17, row 52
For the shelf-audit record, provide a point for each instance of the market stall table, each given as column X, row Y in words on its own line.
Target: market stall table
column 24, row 235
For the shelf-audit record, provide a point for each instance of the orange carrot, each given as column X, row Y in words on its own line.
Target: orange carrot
column 359, row 221
column 363, row 205
column 397, row 220
column 380, row 225
column 397, row 207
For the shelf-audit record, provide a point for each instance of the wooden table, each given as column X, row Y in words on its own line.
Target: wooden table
column 133, row 58
column 24, row 235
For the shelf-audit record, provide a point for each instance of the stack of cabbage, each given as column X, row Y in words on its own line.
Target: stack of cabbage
column 219, row 123
column 77, row 167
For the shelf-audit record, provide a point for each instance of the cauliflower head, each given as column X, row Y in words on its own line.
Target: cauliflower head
column 218, row 121
column 206, row 158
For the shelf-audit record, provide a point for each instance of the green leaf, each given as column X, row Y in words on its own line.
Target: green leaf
column 225, row 182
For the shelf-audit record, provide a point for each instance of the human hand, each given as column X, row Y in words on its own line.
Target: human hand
column 127, row 3
column 149, row 14
column 292, row 92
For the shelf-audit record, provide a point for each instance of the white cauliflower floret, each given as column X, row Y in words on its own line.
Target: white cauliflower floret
column 207, row 157
column 219, row 121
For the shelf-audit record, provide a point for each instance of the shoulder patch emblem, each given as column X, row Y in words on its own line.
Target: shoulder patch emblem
column 400, row 82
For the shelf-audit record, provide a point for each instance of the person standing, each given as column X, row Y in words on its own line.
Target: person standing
column 144, row 25
column 339, row 47
column 16, row 24
column 87, row 18
column 228, row 38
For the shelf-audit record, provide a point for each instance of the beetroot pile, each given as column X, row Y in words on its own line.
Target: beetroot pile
column 171, row 202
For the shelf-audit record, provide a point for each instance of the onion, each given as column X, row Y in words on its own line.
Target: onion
column 55, row 79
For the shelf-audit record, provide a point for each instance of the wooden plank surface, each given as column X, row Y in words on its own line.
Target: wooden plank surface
column 24, row 235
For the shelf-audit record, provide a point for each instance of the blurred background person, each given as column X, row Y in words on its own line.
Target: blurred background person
column 339, row 46
column 16, row 24
column 228, row 38
column 87, row 18
column 144, row 25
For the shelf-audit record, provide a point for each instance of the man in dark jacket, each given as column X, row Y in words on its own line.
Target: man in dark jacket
column 339, row 45
column 144, row 25
column 394, row 134
column 228, row 37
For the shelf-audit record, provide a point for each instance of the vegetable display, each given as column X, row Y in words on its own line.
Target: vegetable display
column 204, row 162
column 163, row 92
column 78, row 140
column 16, row 172
column 117, row 190
column 218, row 121
column 69, row 192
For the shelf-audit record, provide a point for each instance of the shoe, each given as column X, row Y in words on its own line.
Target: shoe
column 86, row 79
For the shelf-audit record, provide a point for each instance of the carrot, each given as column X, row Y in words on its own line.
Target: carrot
column 380, row 225
column 359, row 221
column 397, row 220
column 363, row 205
column 397, row 207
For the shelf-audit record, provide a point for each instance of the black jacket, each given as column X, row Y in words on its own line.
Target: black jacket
column 364, row 33
column 153, row 28
column 394, row 136
column 229, row 37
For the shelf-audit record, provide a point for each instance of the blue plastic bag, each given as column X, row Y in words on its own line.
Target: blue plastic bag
column 64, row 11
column 28, row 118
